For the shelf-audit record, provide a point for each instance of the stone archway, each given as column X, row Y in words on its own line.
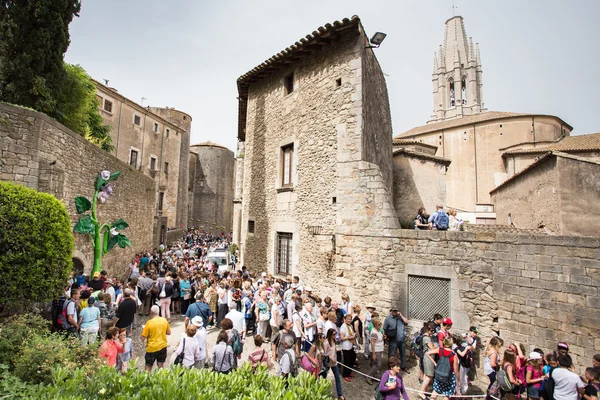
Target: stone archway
column 78, row 265
column 81, row 262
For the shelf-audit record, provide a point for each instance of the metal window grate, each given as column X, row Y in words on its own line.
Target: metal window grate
column 250, row 225
column 428, row 296
column 284, row 253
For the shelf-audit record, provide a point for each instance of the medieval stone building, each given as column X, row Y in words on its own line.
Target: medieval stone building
column 155, row 141
column 315, row 139
column 210, row 191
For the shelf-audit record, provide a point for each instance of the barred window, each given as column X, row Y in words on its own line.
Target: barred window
column 284, row 253
column 250, row 226
column 428, row 296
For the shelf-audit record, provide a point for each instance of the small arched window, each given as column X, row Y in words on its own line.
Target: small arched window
column 463, row 85
column 451, row 91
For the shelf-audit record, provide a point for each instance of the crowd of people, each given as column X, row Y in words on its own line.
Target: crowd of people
column 303, row 330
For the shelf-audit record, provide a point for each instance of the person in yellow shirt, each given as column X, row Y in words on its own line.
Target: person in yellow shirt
column 156, row 330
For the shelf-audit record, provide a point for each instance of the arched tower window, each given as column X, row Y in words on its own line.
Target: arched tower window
column 451, row 91
column 463, row 85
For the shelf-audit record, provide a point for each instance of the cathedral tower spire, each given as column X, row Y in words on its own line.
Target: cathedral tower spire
column 457, row 74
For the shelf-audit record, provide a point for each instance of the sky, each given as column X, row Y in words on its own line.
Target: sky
column 537, row 56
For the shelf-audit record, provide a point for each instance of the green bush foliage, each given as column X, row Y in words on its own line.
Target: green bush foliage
column 40, row 354
column 13, row 388
column 15, row 331
column 182, row 384
column 36, row 245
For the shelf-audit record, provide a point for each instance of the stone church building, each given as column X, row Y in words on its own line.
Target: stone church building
column 485, row 148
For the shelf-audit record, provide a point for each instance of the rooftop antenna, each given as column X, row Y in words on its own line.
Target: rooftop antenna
column 142, row 103
column 106, row 81
column 453, row 9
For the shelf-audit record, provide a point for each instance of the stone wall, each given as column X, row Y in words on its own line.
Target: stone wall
column 553, row 194
column 42, row 154
column 211, row 183
column 419, row 181
column 535, row 289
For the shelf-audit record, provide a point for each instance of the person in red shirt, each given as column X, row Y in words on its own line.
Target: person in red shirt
column 111, row 347
column 444, row 330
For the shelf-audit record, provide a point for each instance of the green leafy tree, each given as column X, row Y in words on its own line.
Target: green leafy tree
column 78, row 107
column 35, row 36
column 36, row 245
column 104, row 236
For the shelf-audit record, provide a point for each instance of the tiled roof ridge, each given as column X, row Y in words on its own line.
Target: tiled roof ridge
column 419, row 154
column 208, row 143
column 587, row 142
column 398, row 141
column 300, row 43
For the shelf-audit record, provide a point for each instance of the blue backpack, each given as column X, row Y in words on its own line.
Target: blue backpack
column 442, row 221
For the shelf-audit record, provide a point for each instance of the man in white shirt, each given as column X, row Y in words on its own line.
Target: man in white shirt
column 200, row 337
column 110, row 290
column 239, row 322
column 310, row 326
column 567, row 384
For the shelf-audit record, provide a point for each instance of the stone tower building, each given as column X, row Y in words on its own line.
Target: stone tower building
column 210, row 190
column 314, row 134
column 457, row 75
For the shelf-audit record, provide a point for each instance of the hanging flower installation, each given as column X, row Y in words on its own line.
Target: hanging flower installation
column 104, row 236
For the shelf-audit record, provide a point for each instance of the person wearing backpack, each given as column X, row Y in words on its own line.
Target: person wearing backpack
column 439, row 219
column 444, row 381
column 507, row 376
column 391, row 385
column 288, row 365
column 395, row 333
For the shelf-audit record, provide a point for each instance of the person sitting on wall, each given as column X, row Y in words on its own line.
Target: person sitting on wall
column 421, row 219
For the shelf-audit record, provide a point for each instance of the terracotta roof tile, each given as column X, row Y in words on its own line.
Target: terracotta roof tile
column 541, row 160
column 568, row 143
column 418, row 154
column 468, row 120
column 406, row 142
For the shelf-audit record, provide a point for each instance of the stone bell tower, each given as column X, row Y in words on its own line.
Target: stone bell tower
column 457, row 75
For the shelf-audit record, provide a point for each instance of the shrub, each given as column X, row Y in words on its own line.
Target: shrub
column 181, row 384
column 13, row 388
column 41, row 353
column 36, row 245
column 15, row 331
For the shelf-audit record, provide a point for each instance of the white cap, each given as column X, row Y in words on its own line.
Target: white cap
column 197, row 320
column 534, row 355
column 263, row 274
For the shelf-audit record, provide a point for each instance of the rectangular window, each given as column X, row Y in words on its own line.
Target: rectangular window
column 161, row 200
column 155, row 128
column 288, row 83
column 152, row 164
column 166, row 168
column 428, row 296
column 284, row 253
column 133, row 156
column 287, row 155
column 100, row 100
column 168, row 131
column 250, row 226
column 108, row 106
column 137, row 120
